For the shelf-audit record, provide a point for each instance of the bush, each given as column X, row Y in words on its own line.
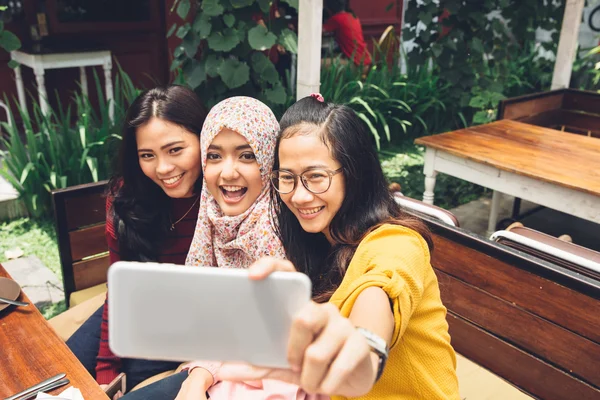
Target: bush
column 397, row 106
column 56, row 153
column 404, row 165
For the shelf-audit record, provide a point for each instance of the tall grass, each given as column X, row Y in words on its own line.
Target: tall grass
column 54, row 152
column 394, row 106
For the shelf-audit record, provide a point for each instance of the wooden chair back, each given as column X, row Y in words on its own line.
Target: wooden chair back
column 569, row 110
column 80, row 218
column 533, row 323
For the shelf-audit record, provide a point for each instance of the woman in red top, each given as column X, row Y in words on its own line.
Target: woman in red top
column 348, row 31
column 151, row 210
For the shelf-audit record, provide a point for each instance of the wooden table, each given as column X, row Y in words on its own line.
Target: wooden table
column 555, row 169
column 30, row 352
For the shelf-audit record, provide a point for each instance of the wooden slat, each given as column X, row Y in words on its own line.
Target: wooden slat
column 582, row 101
column 522, row 369
column 563, row 306
column 517, row 108
column 85, row 210
column 90, row 272
column 88, row 242
column 529, row 332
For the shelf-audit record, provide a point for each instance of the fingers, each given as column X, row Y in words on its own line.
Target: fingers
column 322, row 352
column 267, row 265
column 354, row 354
column 307, row 324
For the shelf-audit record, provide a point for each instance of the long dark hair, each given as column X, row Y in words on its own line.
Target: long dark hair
column 367, row 203
column 141, row 208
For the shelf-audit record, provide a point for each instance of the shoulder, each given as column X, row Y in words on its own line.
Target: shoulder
column 393, row 240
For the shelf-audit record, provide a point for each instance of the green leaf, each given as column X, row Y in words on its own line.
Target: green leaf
column 9, row 41
column 179, row 50
column 289, row 40
column 389, row 6
column 212, row 65
column 195, row 74
column 183, row 8
column 265, row 5
column 260, row 38
column 171, row 30
column 202, row 25
column 212, row 8
column 13, row 64
column 264, row 68
column 183, row 30
column 241, row 3
column 229, row 20
column 477, row 45
column 224, row 41
column 292, row 3
column 276, row 95
column 190, row 44
column 234, row 73
column 25, row 172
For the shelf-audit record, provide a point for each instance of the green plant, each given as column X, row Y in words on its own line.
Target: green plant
column 394, row 106
column 8, row 40
column 222, row 53
column 404, row 165
column 56, row 153
column 485, row 45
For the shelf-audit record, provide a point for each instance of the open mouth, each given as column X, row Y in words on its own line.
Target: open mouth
column 309, row 213
column 174, row 180
column 233, row 194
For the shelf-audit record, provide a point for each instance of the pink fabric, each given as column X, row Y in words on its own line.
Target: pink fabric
column 238, row 241
column 266, row 389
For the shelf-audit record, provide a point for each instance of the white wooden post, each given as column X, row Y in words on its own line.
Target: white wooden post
column 567, row 45
column 310, row 14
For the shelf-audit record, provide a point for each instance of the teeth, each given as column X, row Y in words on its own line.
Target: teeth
column 308, row 211
column 172, row 180
column 232, row 188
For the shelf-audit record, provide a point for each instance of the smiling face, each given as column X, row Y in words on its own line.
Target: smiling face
column 232, row 173
column 302, row 152
column 170, row 156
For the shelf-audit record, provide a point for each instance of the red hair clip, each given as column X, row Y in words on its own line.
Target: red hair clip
column 318, row 97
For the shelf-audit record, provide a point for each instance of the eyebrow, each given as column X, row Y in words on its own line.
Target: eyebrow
column 241, row 147
column 310, row 167
column 162, row 147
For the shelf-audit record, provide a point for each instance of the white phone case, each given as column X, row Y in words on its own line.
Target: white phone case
column 180, row 313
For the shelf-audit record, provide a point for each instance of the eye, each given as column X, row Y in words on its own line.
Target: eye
column 315, row 176
column 248, row 156
column 146, row 156
column 175, row 150
column 212, row 156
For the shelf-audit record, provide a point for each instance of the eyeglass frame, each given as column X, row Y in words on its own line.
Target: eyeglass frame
column 330, row 173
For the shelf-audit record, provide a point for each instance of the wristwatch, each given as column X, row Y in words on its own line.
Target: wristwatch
column 378, row 346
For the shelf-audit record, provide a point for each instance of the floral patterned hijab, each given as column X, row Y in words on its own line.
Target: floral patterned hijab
column 238, row 241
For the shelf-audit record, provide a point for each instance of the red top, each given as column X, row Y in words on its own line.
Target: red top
column 174, row 250
column 349, row 36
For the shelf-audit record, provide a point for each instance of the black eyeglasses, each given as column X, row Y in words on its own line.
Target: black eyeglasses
column 316, row 180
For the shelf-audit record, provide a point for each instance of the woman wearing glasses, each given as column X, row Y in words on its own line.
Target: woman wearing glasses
column 376, row 297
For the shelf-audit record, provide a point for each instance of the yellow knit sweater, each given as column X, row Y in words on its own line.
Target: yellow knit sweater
column 421, row 363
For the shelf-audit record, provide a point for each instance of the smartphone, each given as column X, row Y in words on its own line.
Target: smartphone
column 119, row 383
column 179, row 313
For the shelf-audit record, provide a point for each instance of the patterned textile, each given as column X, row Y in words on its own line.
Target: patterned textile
column 238, row 241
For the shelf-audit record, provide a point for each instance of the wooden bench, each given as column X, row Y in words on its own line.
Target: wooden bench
column 80, row 217
column 569, row 110
column 531, row 322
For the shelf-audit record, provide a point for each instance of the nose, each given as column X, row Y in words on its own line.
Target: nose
column 301, row 195
column 164, row 167
column 229, row 171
